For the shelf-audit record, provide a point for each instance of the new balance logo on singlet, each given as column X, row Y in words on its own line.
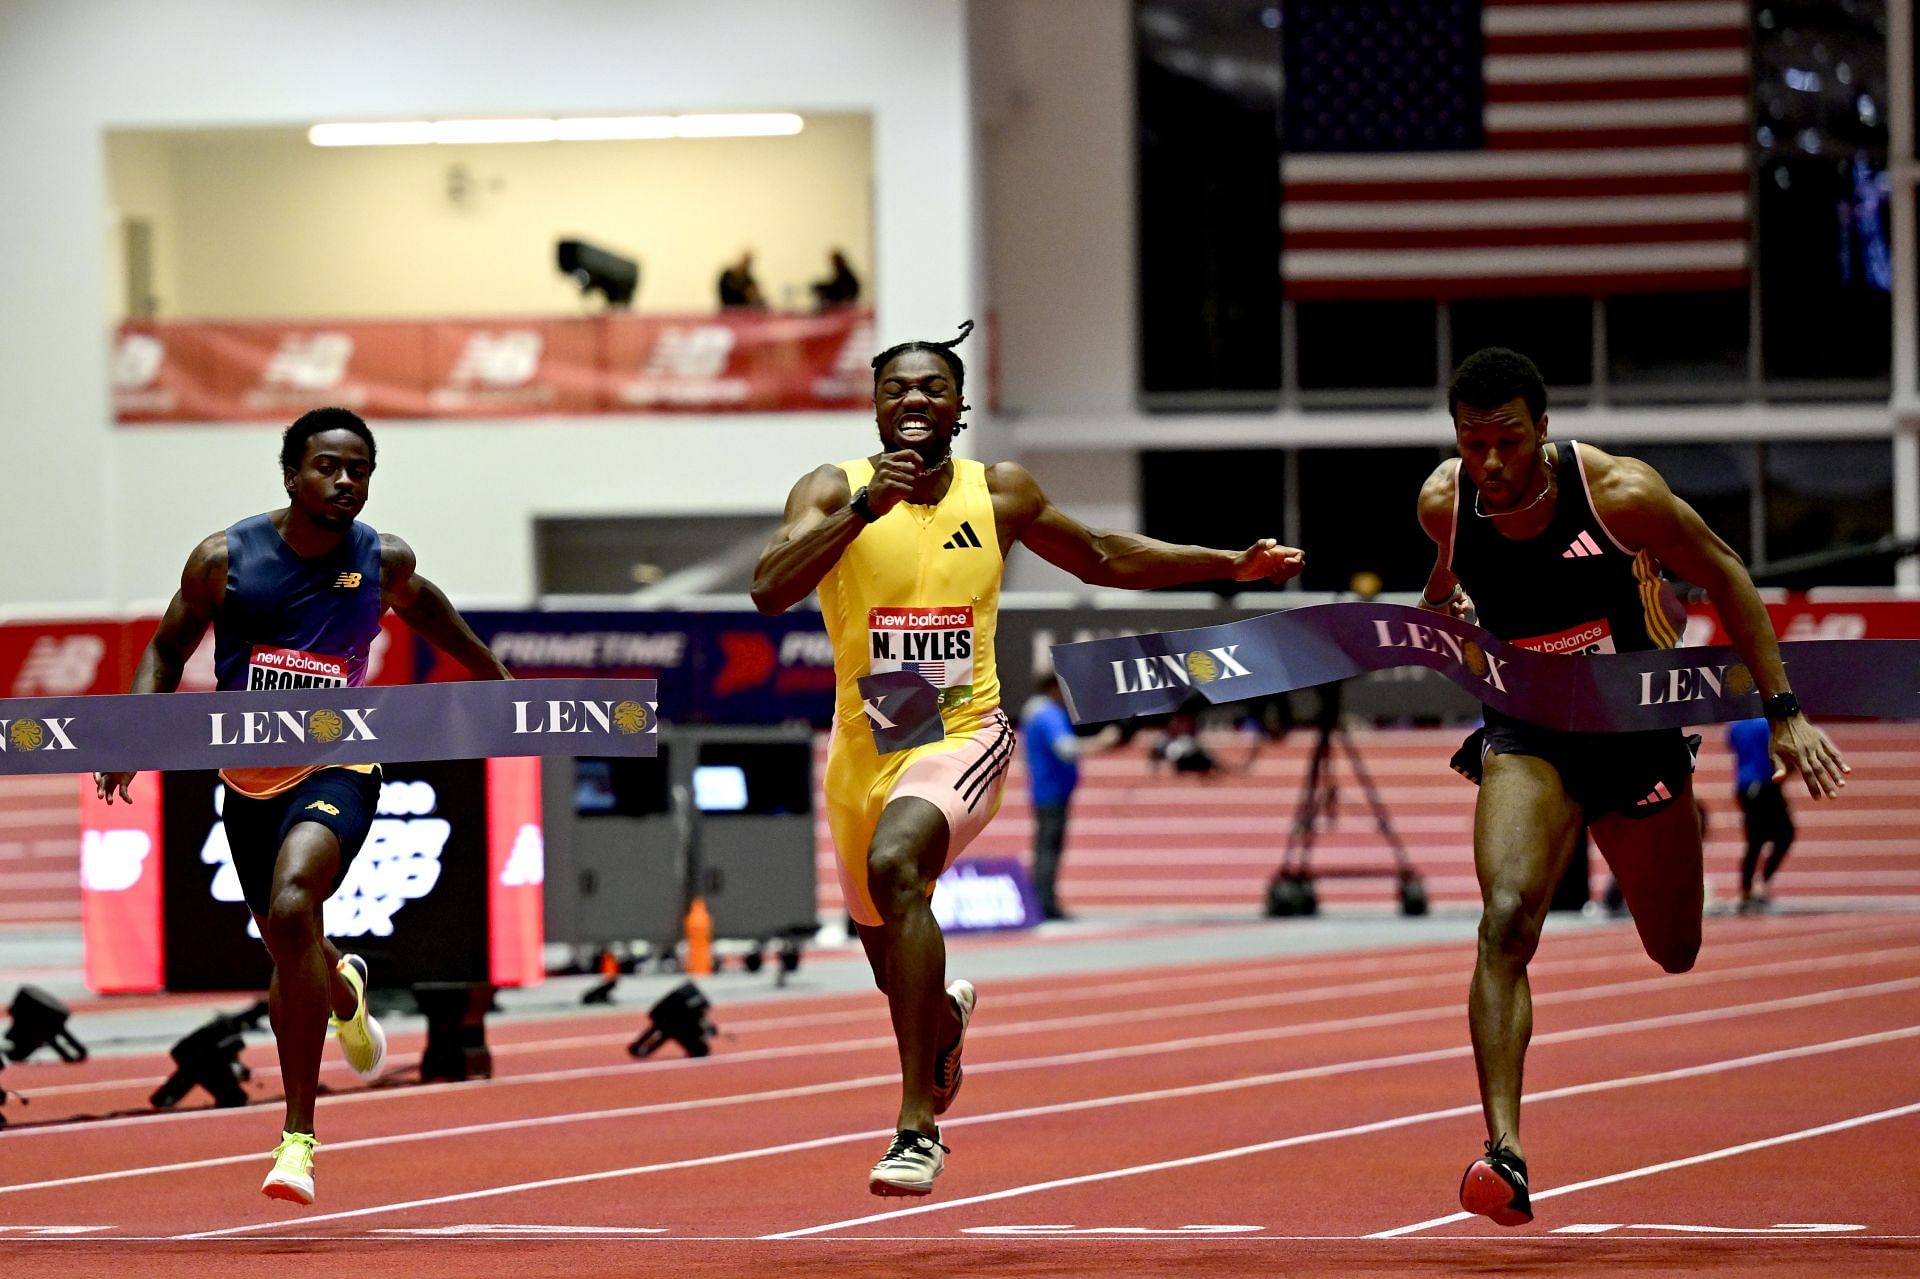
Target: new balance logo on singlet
column 1581, row 548
column 965, row 539
column 346, row 581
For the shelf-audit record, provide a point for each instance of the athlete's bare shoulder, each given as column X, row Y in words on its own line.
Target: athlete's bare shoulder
column 204, row 580
column 1622, row 487
column 1017, row 496
column 395, row 553
column 823, row 489
column 1437, row 498
column 209, row 552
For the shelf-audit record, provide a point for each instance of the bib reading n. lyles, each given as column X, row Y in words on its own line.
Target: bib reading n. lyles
column 919, row 590
column 291, row 623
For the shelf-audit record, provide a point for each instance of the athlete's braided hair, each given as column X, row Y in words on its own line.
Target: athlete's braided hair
column 946, row 352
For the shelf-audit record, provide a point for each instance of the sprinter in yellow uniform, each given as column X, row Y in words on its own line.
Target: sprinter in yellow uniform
column 906, row 548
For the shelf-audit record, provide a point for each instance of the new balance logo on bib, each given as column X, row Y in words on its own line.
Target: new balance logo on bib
column 273, row 668
column 933, row 643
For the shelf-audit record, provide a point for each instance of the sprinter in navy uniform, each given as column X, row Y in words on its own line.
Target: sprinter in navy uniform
column 1558, row 548
column 295, row 598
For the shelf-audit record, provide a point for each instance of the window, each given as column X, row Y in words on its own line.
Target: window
column 1677, row 346
column 1214, row 497
column 1208, row 112
column 1359, row 513
column 1825, row 498
column 1555, row 333
column 1368, row 346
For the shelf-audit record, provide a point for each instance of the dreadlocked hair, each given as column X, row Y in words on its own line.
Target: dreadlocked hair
column 942, row 349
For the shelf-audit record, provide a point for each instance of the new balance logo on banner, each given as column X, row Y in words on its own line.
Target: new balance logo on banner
column 965, row 539
column 509, row 358
column 1581, row 548
column 309, row 361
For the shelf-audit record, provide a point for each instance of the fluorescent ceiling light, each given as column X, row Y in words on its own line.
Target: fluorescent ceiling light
column 400, row 133
column 736, row 126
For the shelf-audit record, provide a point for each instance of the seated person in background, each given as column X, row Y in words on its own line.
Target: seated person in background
column 840, row 289
column 737, row 285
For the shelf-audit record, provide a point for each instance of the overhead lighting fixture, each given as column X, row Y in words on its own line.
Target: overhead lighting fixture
column 619, row 128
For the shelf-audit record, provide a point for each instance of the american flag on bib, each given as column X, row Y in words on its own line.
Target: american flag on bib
column 935, row 673
column 1449, row 148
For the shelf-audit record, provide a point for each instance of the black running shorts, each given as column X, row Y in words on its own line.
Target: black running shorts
column 342, row 800
column 1633, row 774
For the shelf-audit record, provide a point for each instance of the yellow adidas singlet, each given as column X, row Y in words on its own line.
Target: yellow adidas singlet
column 919, row 590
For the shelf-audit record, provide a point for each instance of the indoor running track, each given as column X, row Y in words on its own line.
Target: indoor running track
column 1758, row 1116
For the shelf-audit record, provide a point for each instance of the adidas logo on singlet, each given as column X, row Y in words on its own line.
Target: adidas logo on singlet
column 1581, row 547
column 965, row 539
column 1659, row 795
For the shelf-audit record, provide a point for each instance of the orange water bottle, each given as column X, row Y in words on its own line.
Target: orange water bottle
column 699, row 930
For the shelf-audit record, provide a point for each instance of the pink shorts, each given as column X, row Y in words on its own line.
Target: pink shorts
column 962, row 776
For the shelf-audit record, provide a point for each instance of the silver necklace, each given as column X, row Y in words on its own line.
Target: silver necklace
column 1544, row 490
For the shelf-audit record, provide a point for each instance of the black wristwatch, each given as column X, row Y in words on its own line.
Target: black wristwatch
column 1780, row 706
column 861, row 507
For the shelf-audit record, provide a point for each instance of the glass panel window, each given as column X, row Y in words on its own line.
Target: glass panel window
column 1228, row 498
column 1358, row 514
column 1820, row 131
column 1677, row 343
column 1367, row 346
column 1207, row 76
column 1555, row 333
column 1824, row 497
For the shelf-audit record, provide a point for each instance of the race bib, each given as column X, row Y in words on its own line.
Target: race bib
column 1586, row 638
column 934, row 643
column 271, row 668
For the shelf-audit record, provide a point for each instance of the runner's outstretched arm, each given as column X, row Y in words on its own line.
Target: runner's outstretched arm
column 1130, row 560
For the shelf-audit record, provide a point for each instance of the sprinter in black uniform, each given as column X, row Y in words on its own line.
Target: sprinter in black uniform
column 1558, row 548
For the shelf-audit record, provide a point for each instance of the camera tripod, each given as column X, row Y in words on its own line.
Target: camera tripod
column 1291, row 890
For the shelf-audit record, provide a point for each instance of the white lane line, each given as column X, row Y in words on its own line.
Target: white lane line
column 1725, row 1152
column 1065, row 1107
column 1659, row 983
column 982, row 1240
column 1597, row 962
column 1357, row 1130
column 1575, row 1034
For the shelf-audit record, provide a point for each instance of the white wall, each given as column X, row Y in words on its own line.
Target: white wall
column 265, row 224
column 1054, row 91
column 98, row 514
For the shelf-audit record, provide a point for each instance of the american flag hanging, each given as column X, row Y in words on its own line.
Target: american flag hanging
column 1459, row 148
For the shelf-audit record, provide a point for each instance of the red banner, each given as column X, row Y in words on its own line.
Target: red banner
column 120, row 875
column 516, row 870
column 61, row 659
column 750, row 362
column 1794, row 618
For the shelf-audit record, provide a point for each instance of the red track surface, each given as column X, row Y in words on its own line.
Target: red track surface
column 1271, row 1116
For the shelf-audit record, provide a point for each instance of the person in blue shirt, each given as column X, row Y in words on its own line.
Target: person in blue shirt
column 1769, row 820
column 1053, row 770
